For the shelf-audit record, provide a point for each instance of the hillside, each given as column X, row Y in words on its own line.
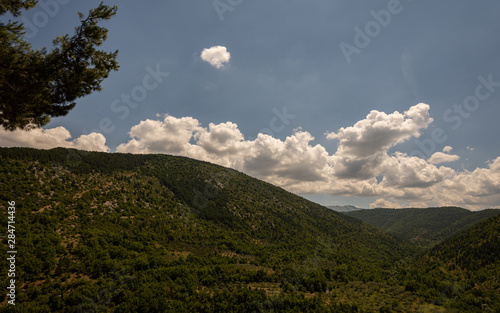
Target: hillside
column 423, row 227
column 462, row 272
column 149, row 233
column 100, row 232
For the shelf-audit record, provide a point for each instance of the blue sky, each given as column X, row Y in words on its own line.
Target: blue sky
column 301, row 70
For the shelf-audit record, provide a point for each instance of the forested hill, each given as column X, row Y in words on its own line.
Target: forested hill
column 424, row 227
column 462, row 272
column 101, row 232
column 151, row 233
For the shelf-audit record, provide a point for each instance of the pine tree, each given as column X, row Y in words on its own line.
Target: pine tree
column 36, row 85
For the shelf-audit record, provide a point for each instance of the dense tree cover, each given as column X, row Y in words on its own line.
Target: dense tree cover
column 105, row 232
column 36, row 85
column 423, row 227
column 462, row 272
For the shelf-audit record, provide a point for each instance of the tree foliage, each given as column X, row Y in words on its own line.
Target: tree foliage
column 36, row 85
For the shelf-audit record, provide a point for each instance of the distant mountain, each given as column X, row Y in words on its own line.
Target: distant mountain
column 343, row 208
column 156, row 233
column 462, row 272
column 423, row 227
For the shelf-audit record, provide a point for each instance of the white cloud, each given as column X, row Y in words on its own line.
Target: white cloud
column 418, row 204
column 440, row 157
column 53, row 137
column 222, row 139
column 403, row 171
column 363, row 147
column 380, row 131
column 443, row 157
column 288, row 162
column 382, row 203
column 447, row 149
column 300, row 167
column 170, row 136
column 479, row 187
column 281, row 162
column 216, row 56
column 361, row 165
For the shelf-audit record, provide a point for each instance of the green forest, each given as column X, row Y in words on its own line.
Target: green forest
column 423, row 227
column 109, row 232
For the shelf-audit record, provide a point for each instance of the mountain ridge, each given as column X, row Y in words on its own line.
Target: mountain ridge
column 423, row 226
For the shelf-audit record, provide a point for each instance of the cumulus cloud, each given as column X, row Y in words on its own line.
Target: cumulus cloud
column 222, row 139
column 216, row 56
column 380, row 131
column 382, row 203
column 362, row 148
column 170, row 136
column 447, row 149
column 441, row 157
column 477, row 188
column 403, row 171
column 50, row 138
column 288, row 162
column 281, row 162
column 361, row 166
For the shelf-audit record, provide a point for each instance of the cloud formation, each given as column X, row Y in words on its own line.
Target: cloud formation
column 217, row 56
column 362, row 148
column 52, row 138
column 172, row 136
column 283, row 162
column 443, row 157
column 360, row 167
column 382, row 203
column 380, row 131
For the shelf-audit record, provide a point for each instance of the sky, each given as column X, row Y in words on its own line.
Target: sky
column 369, row 103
